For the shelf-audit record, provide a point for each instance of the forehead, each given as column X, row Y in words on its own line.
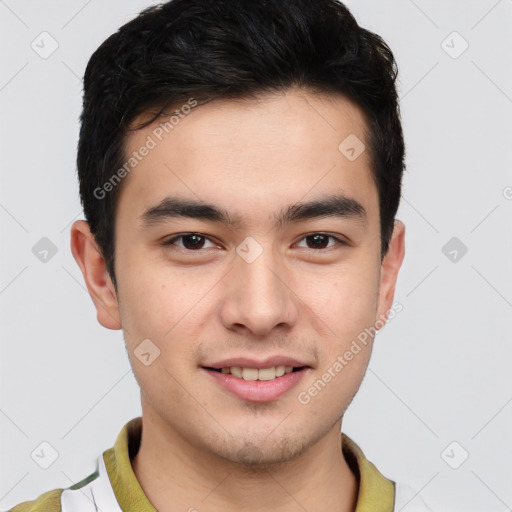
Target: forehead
column 247, row 154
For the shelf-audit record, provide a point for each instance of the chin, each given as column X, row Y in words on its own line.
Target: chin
column 259, row 452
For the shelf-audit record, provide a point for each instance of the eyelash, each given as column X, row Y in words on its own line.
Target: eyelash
column 171, row 241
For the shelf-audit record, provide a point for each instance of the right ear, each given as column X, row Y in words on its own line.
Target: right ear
column 89, row 258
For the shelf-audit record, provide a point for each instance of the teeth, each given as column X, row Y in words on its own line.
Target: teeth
column 237, row 372
column 250, row 374
column 266, row 373
column 255, row 374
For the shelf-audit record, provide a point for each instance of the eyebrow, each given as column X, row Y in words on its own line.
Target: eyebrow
column 337, row 206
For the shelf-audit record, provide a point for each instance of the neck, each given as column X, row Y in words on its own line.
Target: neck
column 176, row 475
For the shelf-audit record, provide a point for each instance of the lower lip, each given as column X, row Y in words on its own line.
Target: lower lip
column 258, row 390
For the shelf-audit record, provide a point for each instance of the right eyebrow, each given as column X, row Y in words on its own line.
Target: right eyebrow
column 172, row 207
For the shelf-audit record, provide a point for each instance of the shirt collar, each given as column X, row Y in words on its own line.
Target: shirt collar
column 376, row 492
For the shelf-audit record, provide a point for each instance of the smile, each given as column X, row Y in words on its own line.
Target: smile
column 257, row 384
column 271, row 373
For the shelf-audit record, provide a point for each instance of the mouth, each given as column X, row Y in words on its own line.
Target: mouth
column 257, row 384
column 252, row 374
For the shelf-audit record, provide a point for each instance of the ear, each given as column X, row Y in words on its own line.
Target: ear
column 389, row 270
column 99, row 284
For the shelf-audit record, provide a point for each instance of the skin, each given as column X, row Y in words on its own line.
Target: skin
column 201, row 446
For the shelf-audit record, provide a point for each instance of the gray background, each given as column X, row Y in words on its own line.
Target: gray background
column 438, row 387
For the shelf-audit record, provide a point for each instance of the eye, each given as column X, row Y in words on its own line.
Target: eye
column 194, row 242
column 320, row 241
column 190, row 241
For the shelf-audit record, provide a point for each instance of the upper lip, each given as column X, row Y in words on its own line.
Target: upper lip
column 247, row 362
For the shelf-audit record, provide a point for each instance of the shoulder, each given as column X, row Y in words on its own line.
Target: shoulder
column 408, row 500
column 47, row 502
column 71, row 499
column 92, row 494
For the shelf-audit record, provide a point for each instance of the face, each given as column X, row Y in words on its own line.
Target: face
column 255, row 276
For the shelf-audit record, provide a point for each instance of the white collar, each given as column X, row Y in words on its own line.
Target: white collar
column 95, row 496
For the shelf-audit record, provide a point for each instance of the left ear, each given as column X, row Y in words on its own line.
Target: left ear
column 389, row 270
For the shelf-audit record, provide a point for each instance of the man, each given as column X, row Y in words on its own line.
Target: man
column 240, row 168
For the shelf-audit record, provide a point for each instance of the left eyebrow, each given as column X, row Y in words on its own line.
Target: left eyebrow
column 339, row 206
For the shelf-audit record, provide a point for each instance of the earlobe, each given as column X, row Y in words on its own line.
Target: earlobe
column 88, row 256
column 389, row 270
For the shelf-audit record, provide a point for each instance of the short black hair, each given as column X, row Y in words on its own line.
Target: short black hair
column 232, row 49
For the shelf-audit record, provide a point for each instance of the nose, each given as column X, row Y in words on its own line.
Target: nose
column 258, row 297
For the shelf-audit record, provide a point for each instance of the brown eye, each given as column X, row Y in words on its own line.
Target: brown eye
column 319, row 241
column 190, row 241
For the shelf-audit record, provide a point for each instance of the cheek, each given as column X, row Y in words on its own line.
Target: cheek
column 161, row 304
column 345, row 300
column 150, row 303
column 347, row 305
